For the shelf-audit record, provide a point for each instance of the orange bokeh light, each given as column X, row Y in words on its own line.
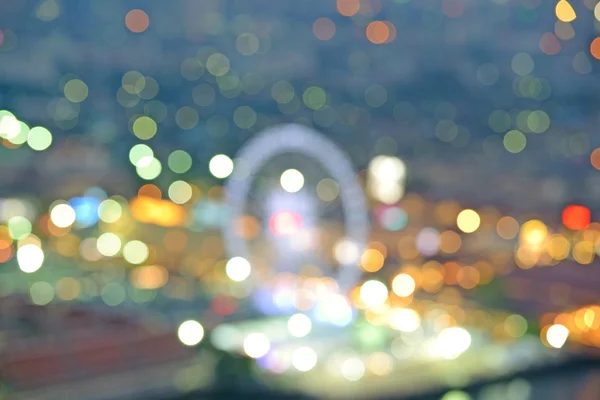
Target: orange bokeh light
column 595, row 48
column 151, row 191
column 378, row 32
column 6, row 254
column 348, row 7
column 595, row 158
column 159, row 212
column 137, row 21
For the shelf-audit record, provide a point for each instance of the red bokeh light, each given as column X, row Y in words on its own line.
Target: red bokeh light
column 285, row 223
column 576, row 217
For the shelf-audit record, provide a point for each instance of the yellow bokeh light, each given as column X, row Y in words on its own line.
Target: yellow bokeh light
column 144, row 128
column 583, row 252
column 108, row 244
column 135, row 252
column 533, row 232
column 468, row 221
column 564, row 11
column 76, row 91
column 558, row 247
column 110, row 211
column 180, row 192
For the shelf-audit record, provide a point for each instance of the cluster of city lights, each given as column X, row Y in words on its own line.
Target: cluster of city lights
column 14, row 133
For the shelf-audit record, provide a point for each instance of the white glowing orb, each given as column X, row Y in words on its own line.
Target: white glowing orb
column 405, row 320
column 220, row 166
column 334, row 309
column 386, row 180
column 238, row 269
column 403, row 285
column 190, row 332
column 292, row 180
column 452, row 342
column 62, row 215
column 387, row 169
column 387, row 193
column 353, row 369
column 30, row 258
column 256, row 345
column 9, row 127
column 108, row 244
column 135, row 252
column 299, row 325
column 557, row 335
column 304, row 358
column 346, row 252
column 373, row 293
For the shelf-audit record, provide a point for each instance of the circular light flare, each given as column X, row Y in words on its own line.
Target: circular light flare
column 62, row 215
column 387, row 169
column 190, row 332
column 299, row 325
column 453, row 342
column 256, row 345
column 137, row 21
column 557, row 335
column 180, row 192
column 373, row 293
column 353, row 369
column 534, row 232
column 292, row 180
column 108, row 244
column 135, row 252
column 405, row 320
column 403, row 285
column 110, row 211
column 468, row 221
column 304, row 359
column 346, row 252
column 238, row 269
column 30, row 258
column 220, row 166
column 39, row 138
column 10, row 127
